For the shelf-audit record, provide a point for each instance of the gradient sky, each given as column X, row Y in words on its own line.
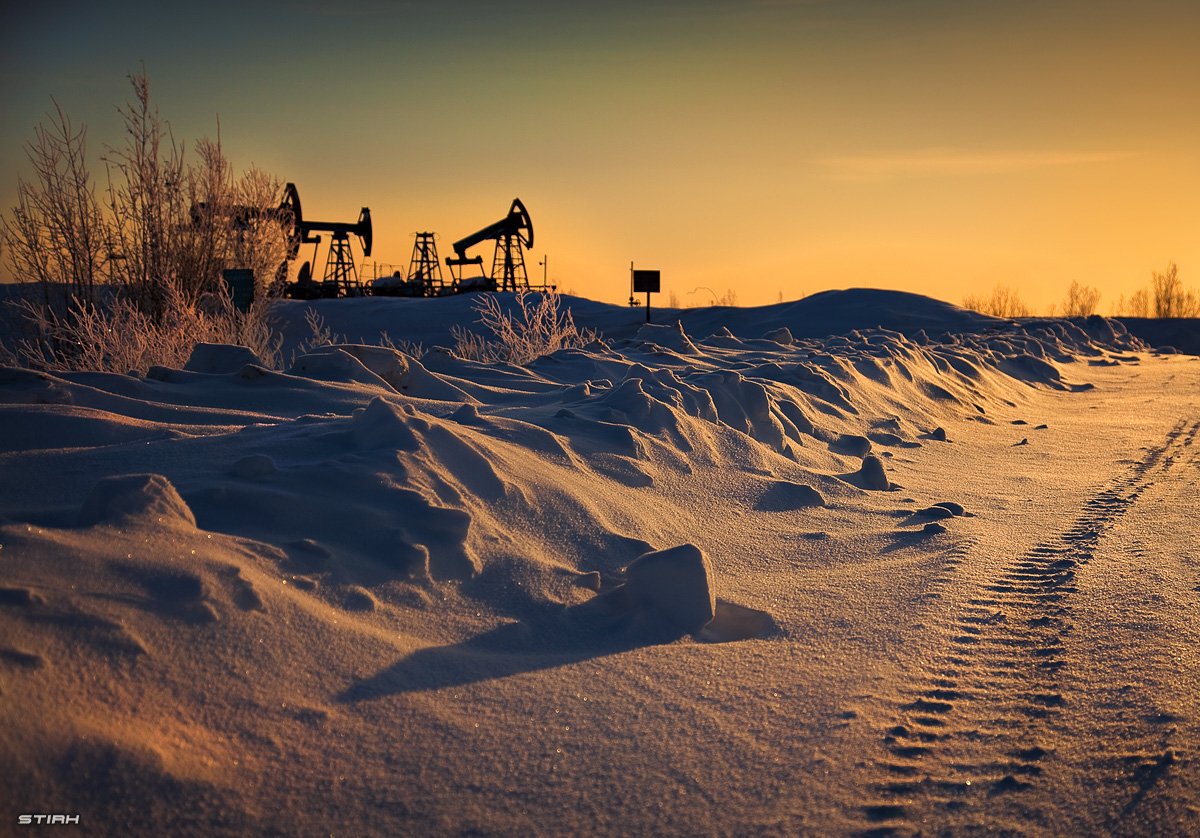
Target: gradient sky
column 767, row 147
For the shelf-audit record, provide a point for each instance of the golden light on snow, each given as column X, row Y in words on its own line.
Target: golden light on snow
column 725, row 575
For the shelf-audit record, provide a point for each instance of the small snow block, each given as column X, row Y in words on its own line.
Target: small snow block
column 953, row 508
column 254, row 466
column 677, row 582
column 1006, row 784
column 220, row 358
column 785, row 496
column 872, row 474
column 465, row 414
column 935, row 512
column 854, row 444
column 382, row 424
column 333, row 363
column 782, row 336
column 355, row 598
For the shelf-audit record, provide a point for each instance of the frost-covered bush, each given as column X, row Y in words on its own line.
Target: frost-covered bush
column 534, row 326
column 320, row 335
column 120, row 336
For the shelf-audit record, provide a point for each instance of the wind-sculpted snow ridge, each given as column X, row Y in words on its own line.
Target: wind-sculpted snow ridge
column 438, row 596
column 363, row 466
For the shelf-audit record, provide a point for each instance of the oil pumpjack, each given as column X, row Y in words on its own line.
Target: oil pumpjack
column 512, row 234
column 340, row 277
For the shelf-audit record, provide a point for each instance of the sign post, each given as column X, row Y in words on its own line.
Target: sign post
column 647, row 281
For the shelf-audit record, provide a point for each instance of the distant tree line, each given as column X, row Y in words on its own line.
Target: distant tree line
column 1164, row 296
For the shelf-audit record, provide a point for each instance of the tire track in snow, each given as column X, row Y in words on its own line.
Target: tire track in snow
column 1146, row 728
column 968, row 731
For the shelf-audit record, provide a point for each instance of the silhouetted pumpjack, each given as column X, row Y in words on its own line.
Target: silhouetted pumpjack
column 510, row 233
column 341, row 276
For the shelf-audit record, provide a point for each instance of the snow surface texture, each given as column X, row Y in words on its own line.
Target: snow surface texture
column 745, row 580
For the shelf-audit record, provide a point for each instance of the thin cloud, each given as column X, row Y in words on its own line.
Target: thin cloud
column 952, row 162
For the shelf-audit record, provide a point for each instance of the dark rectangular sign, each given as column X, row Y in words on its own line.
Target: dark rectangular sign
column 645, row 282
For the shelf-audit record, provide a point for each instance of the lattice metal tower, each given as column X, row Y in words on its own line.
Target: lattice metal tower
column 424, row 266
column 508, row 263
column 339, row 266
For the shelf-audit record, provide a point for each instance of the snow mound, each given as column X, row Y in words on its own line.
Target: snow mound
column 220, row 358
column 786, row 496
column 133, row 499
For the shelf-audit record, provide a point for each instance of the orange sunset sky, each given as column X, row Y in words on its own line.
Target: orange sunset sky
column 767, row 147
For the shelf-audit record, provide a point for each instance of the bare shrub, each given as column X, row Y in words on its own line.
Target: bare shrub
column 319, row 335
column 1081, row 301
column 159, row 240
column 154, row 245
column 55, row 234
column 408, row 347
column 1171, row 299
column 1002, row 302
column 1136, row 305
column 259, row 241
column 120, row 336
column 1165, row 296
column 534, row 327
column 182, row 224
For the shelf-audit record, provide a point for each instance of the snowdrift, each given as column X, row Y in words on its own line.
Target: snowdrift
column 226, row 542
